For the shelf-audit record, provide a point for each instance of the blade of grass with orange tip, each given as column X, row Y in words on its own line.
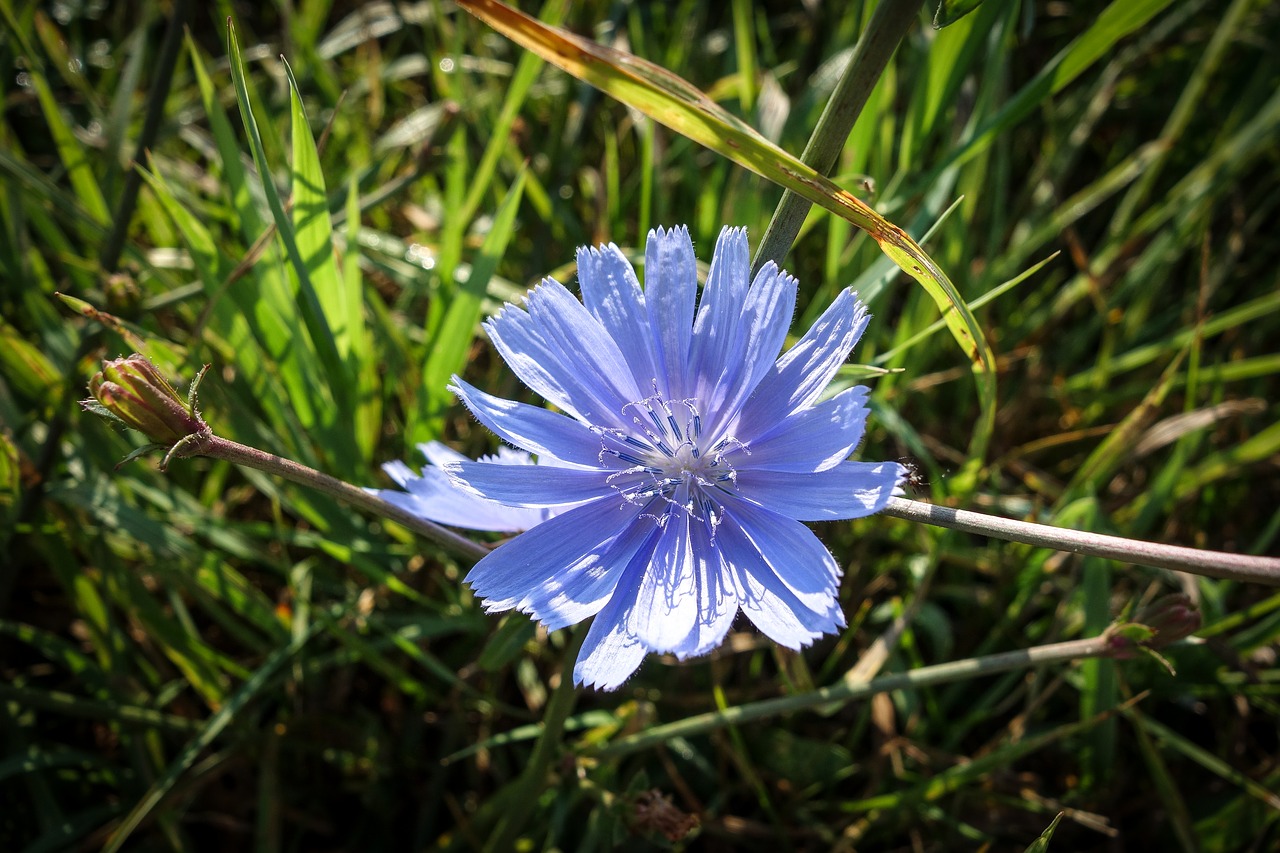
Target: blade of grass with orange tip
column 674, row 102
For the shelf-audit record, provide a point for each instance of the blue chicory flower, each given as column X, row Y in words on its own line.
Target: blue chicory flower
column 685, row 459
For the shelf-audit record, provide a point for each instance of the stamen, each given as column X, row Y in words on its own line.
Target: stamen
column 666, row 461
column 625, row 457
column 671, row 419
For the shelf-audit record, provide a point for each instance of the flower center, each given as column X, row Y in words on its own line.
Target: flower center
column 685, row 462
column 666, row 456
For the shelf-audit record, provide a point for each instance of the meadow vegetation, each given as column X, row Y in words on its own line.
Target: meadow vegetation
column 323, row 202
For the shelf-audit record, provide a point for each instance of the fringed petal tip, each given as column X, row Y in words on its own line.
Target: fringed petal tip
column 608, row 664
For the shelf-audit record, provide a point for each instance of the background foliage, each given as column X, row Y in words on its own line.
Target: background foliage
column 209, row 659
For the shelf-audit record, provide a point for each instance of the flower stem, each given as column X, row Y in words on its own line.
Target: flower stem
column 888, row 26
column 220, row 448
column 850, row 690
column 534, row 778
column 1213, row 564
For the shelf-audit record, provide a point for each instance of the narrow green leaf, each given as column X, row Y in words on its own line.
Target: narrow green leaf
column 500, row 133
column 1112, row 451
column 308, row 302
column 264, row 297
column 991, row 295
column 122, row 108
column 313, row 228
column 204, row 253
column 363, row 358
column 72, row 705
column 234, row 317
column 1041, row 844
column 1177, row 814
column 201, row 665
column 1191, row 103
column 452, row 345
column 233, row 171
column 1176, row 741
column 10, row 481
column 74, row 155
column 55, row 649
column 27, row 368
column 950, row 11
column 1118, row 20
column 34, row 760
column 744, row 41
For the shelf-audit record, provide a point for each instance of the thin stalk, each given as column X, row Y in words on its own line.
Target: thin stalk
column 851, row 690
column 534, row 778
column 220, row 448
column 1213, row 564
column 888, row 26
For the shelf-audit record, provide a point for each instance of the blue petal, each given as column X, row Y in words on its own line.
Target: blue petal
column 550, row 361
column 433, row 497
column 578, row 591
column 521, row 346
column 510, row 574
column 804, row 371
column 400, row 472
column 666, row 608
column 786, row 579
column 611, row 653
column 779, row 615
column 532, row 428
column 591, row 352
column 849, row 490
column 815, row 438
column 612, row 294
column 439, row 454
column 671, row 289
column 717, row 599
column 685, row 602
column 531, row 485
column 766, row 316
column 720, row 309
column 792, row 550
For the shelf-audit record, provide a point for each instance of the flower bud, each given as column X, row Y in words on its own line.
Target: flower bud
column 1162, row 622
column 133, row 391
column 1171, row 617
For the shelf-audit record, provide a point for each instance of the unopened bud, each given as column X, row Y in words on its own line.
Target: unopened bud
column 132, row 391
column 1171, row 617
column 1162, row 622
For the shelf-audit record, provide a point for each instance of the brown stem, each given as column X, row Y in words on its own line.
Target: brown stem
column 1213, row 564
column 220, row 448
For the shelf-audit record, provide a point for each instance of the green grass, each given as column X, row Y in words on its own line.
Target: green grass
column 212, row 659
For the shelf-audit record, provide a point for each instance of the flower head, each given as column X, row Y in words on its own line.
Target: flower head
column 686, row 454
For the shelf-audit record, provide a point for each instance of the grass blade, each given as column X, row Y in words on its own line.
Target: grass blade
column 214, row 727
column 450, row 348
column 308, row 302
column 313, row 229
